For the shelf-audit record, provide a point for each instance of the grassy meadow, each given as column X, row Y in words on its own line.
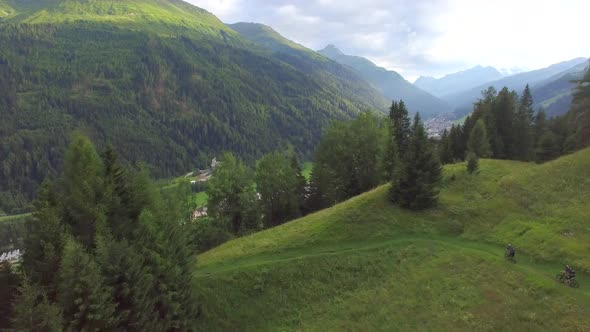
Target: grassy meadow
column 368, row 265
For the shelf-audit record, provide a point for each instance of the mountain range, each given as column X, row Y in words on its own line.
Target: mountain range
column 462, row 100
column 457, row 82
column 390, row 83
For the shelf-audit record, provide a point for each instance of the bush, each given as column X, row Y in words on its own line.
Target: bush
column 209, row 233
column 472, row 163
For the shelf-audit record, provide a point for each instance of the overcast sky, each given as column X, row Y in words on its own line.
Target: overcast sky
column 427, row 37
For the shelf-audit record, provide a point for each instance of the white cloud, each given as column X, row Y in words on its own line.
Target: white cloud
column 426, row 37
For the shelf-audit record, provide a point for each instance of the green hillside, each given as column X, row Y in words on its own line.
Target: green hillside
column 158, row 16
column 163, row 81
column 367, row 265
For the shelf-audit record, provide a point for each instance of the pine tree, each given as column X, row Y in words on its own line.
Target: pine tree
column 548, row 147
column 86, row 300
column 446, row 148
column 478, row 140
column 300, row 189
column 83, row 190
column 458, row 143
column 416, row 187
column 391, row 156
column 579, row 114
column 523, row 132
column 33, row 312
column 44, row 240
column 504, row 109
column 540, row 126
column 472, row 162
column 398, row 114
column 526, row 104
column 9, row 282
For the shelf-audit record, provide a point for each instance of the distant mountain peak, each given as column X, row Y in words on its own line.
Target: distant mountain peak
column 331, row 50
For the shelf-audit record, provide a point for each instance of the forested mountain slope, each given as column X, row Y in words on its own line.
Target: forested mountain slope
column 163, row 81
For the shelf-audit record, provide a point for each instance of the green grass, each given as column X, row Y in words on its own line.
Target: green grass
column 307, row 167
column 201, row 198
column 367, row 265
column 159, row 16
column 15, row 217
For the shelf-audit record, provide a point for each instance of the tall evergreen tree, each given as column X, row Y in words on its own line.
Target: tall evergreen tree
column 398, row 114
column 579, row 114
column 504, row 110
column 83, row 190
column 9, row 282
column 523, row 132
column 300, row 183
column 446, row 148
column 44, row 241
column 478, row 140
column 526, row 104
column 86, row 300
column 391, row 155
column 416, row 187
column 33, row 312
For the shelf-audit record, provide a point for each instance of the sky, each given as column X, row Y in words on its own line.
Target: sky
column 426, row 37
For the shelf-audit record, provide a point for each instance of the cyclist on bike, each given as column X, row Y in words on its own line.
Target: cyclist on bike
column 567, row 271
column 571, row 276
column 510, row 252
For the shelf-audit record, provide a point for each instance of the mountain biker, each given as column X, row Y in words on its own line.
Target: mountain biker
column 567, row 272
column 571, row 276
column 510, row 252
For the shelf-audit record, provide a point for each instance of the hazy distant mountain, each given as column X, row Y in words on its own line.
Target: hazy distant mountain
column 458, row 82
column 512, row 71
column 555, row 93
column 463, row 101
column 390, row 83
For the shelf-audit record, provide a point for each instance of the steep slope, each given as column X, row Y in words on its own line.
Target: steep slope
column 365, row 264
column 336, row 75
column 390, row 83
column 163, row 81
column 463, row 100
column 555, row 93
column 457, row 82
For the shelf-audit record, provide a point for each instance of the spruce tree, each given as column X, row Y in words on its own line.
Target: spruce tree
column 300, row 188
column 398, row 114
column 86, row 300
column 9, row 282
column 416, row 187
column 523, row 132
column 472, row 162
column 391, row 156
column 33, row 312
column 478, row 140
column 446, row 148
column 44, row 240
column 83, row 190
